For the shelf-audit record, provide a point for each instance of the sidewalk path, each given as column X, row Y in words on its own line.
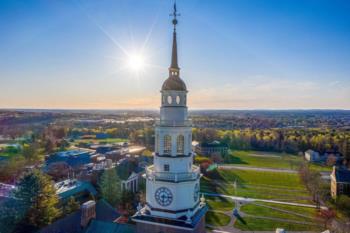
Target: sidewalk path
column 231, row 166
column 247, row 199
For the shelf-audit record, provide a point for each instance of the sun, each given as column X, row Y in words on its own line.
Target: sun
column 136, row 62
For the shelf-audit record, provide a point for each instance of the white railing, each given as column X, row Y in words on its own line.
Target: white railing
column 173, row 123
column 172, row 176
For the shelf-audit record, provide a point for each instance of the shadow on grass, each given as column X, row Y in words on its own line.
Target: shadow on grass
column 221, row 182
column 239, row 218
column 234, row 160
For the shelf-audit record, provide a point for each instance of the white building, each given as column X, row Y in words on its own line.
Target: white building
column 131, row 183
column 312, row 156
column 172, row 182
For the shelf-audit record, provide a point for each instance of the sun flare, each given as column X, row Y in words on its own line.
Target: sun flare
column 136, row 62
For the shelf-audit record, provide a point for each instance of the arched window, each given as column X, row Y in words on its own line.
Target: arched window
column 167, row 144
column 178, row 99
column 170, row 99
column 180, row 146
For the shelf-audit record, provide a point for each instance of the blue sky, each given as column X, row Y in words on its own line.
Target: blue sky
column 233, row 54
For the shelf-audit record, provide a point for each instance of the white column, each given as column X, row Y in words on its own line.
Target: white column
column 173, row 144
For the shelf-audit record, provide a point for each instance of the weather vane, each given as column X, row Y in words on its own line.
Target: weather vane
column 175, row 14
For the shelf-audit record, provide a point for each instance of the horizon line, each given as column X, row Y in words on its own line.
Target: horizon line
column 192, row 109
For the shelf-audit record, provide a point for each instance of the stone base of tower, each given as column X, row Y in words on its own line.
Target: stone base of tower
column 150, row 224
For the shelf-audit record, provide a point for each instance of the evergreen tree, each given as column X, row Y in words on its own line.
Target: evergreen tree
column 38, row 199
column 92, row 197
column 10, row 215
column 110, row 186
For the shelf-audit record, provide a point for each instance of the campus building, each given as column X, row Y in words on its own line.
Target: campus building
column 340, row 182
column 210, row 148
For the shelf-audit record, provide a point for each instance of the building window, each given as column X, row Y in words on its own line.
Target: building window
column 341, row 191
column 166, row 167
column 170, row 99
column 180, row 144
column 157, row 143
column 167, row 144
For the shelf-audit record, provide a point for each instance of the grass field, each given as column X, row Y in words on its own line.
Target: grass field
column 7, row 155
column 217, row 219
column 280, row 211
column 257, row 224
column 256, row 184
column 101, row 141
column 7, row 151
column 269, row 160
column 220, row 203
column 281, row 186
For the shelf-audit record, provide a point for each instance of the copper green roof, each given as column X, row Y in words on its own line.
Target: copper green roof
column 174, row 83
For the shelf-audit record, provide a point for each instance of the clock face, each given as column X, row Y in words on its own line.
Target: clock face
column 163, row 196
column 196, row 193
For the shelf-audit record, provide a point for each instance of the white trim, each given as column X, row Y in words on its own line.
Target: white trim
column 162, row 224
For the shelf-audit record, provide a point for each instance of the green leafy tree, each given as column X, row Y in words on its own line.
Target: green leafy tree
column 38, row 199
column 110, row 186
column 127, row 199
column 71, row 206
column 343, row 203
column 49, row 146
column 11, row 168
column 30, row 152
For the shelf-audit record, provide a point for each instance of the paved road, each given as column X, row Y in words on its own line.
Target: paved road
column 247, row 199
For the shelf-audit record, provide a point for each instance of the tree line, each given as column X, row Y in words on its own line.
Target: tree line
column 280, row 140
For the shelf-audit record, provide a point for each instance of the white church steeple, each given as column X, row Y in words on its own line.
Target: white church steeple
column 172, row 182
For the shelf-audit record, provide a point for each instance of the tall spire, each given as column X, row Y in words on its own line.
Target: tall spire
column 174, row 63
column 174, row 67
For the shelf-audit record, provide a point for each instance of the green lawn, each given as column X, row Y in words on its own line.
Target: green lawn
column 220, row 203
column 263, row 210
column 271, row 225
column 101, row 141
column 268, row 160
column 310, row 212
column 264, row 185
column 8, row 151
column 256, row 184
column 7, row 155
column 217, row 219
